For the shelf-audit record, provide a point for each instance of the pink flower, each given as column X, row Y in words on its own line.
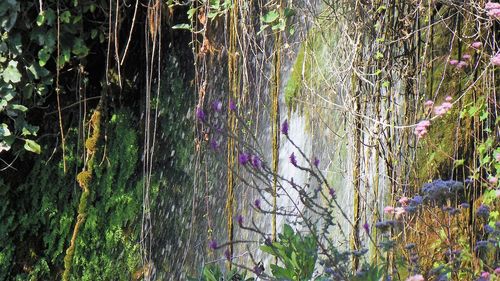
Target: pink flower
column 429, row 103
column 497, row 271
column 388, row 210
column 404, row 200
column 493, row 180
column 417, row 277
column 453, row 62
column 399, row 211
column 476, row 45
column 466, row 57
column 492, row 5
column 421, row 128
column 494, row 13
column 496, row 60
column 448, row 98
column 442, row 109
column 485, row 275
column 497, row 157
column 462, row 64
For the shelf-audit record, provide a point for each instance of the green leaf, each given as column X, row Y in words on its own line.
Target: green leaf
column 19, row 107
column 44, row 55
column 31, row 145
column 65, row 17
column 50, row 16
column 4, row 146
column 191, row 13
column 40, row 19
column 79, row 48
column 4, row 130
column 11, row 73
column 270, row 16
column 458, row 163
column 182, row 26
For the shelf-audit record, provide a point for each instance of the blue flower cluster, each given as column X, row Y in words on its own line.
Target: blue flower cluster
column 439, row 191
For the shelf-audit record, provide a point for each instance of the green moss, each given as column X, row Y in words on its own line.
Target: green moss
column 292, row 88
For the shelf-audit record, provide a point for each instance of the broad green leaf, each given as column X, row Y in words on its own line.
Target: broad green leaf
column 44, row 55
column 40, row 19
column 65, row 17
column 31, row 145
column 11, row 73
column 458, row 163
column 270, row 16
column 4, row 146
column 19, row 107
column 4, row 130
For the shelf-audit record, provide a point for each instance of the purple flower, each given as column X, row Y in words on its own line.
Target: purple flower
column 476, row 45
column 232, row 105
column 487, row 228
column 200, row 114
column 243, row 158
column 331, row 191
column 258, row 269
column 214, row 144
column 483, row 211
column 366, row 226
column 239, row 219
column 293, row 160
column 227, row 254
column 256, row 162
column 257, row 203
column 217, row 105
column 465, row 205
column 284, row 128
column 212, row 245
column 316, row 162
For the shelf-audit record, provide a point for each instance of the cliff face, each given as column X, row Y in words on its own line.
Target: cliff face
column 222, row 121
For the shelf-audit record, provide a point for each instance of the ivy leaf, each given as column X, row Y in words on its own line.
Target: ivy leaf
column 270, row 16
column 4, row 130
column 11, row 73
column 40, row 19
column 4, row 146
column 44, row 55
column 19, row 107
column 31, row 145
column 65, row 17
column 29, row 130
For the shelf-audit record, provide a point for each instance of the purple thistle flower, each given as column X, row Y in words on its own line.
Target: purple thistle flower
column 256, row 162
column 284, row 128
column 232, row 105
column 212, row 245
column 217, row 105
column 293, row 159
column 200, row 114
column 316, row 162
column 366, row 226
column 243, row 158
column 257, row 203
column 239, row 219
